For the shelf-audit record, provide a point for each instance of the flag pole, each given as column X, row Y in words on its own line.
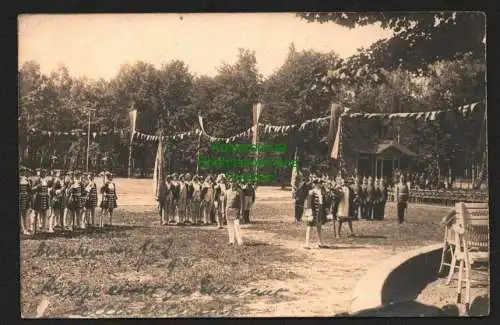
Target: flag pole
column 256, row 109
column 198, row 154
column 133, row 117
column 129, row 159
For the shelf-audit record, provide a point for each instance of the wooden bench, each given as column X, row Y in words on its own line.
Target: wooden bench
column 467, row 237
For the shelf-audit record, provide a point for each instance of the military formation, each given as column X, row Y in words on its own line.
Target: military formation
column 184, row 199
column 54, row 200
column 367, row 197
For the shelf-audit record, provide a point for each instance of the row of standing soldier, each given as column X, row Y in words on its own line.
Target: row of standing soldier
column 184, row 199
column 368, row 197
column 67, row 200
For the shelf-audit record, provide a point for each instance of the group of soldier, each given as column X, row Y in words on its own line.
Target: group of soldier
column 367, row 200
column 51, row 200
column 195, row 200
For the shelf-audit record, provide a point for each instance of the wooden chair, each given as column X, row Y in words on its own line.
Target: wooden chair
column 449, row 246
column 471, row 242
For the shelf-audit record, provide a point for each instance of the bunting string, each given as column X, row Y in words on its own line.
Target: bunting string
column 34, row 131
column 464, row 110
column 154, row 138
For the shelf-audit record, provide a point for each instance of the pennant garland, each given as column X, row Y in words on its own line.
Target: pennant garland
column 34, row 131
column 464, row 110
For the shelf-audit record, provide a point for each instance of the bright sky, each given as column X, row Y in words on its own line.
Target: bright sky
column 96, row 45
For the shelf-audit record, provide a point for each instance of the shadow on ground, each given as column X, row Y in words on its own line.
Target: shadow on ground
column 479, row 307
column 108, row 231
column 406, row 309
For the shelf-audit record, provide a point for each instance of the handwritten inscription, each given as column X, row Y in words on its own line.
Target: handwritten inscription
column 128, row 289
column 141, row 256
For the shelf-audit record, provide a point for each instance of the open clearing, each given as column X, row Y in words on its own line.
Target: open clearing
column 138, row 268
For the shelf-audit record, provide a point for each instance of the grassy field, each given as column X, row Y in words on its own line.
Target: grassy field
column 138, row 268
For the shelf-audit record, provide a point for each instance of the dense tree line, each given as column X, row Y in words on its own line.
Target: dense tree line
column 170, row 97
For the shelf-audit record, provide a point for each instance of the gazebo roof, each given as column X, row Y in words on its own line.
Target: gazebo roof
column 383, row 146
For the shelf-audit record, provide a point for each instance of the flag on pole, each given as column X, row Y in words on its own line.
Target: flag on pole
column 336, row 145
column 133, row 118
column 334, row 118
column 158, row 171
column 294, row 174
column 200, row 119
column 257, row 109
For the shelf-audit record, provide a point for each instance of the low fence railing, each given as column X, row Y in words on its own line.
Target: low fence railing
column 443, row 197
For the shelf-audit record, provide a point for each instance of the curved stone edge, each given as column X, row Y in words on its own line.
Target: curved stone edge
column 369, row 290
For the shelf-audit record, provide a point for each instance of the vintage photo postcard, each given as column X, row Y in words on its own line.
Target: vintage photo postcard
column 325, row 164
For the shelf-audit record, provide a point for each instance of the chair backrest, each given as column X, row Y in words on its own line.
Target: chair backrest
column 472, row 220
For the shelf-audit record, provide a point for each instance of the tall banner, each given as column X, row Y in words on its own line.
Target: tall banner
column 200, row 119
column 294, row 175
column 257, row 109
column 336, row 111
column 158, row 171
column 133, row 119
column 336, row 145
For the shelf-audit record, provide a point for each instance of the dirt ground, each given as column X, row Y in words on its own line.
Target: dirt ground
column 107, row 273
column 444, row 296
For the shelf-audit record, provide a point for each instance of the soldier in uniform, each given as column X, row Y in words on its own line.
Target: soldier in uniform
column 220, row 200
column 169, row 200
column 110, row 198
column 189, row 189
column 376, row 200
column 24, row 201
column 356, row 191
column 370, row 195
column 383, row 198
column 401, row 198
column 301, row 193
column 175, row 188
column 195, row 209
column 90, row 199
column 326, row 200
column 161, row 199
column 183, row 200
column 233, row 208
column 42, row 203
column 75, row 201
column 362, row 197
column 312, row 212
column 66, row 218
column 207, row 195
column 35, row 180
column 50, row 181
column 248, row 202
column 56, row 193
column 345, row 210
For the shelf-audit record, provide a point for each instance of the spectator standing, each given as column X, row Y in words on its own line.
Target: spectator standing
column 402, row 195
column 234, row 200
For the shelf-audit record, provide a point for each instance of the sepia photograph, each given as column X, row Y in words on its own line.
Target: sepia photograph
column 295, row 164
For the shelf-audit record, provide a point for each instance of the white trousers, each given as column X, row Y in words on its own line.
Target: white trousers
column 233, row 227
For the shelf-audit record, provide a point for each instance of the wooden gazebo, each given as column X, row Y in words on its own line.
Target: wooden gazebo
column 380, row 159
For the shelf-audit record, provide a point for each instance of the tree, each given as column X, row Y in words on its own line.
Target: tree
column 419, row 39
column 291, row 96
